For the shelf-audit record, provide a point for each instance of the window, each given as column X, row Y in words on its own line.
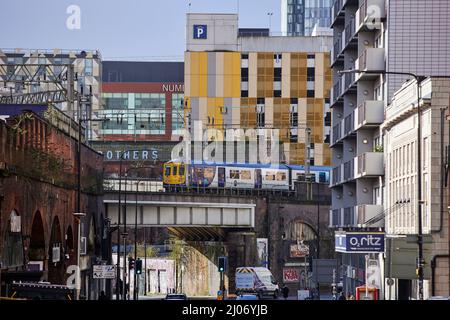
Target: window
column 150, row 100
column 281, row 176
column 234, row 174
column 245, row 174
column 167, row 172
column 311, row 74
column 182, row 170
column 270, row 175
column 177, row 111
column 115, row 100
column 175, row 170
column 88, row 63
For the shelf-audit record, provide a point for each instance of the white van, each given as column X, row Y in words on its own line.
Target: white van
column 257, row 280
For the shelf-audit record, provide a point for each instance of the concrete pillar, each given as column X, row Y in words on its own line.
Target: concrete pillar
column 242, row 252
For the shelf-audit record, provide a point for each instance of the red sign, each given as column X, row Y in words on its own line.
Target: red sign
column 299, row 251
column 290, row 275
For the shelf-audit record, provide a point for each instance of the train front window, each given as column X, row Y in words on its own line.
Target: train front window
column 167, row 172
column 181, row 170
column 174, row 171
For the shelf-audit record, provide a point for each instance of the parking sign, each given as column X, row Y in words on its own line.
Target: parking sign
column 200, row 31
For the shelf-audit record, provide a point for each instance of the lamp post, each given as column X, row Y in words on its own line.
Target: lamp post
column 135, row 292
column 270, row 14
column 420, row 261
column 78, row 216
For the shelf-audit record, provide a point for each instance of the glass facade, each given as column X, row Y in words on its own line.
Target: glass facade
column 303, row 15
column 177, row 112
column 134, row 113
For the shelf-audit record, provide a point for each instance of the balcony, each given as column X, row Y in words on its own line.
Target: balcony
column 343, row 217
column 369, row 165
column 338, row 90
column 338, row 12
column 335, row 218
column 369, row 114
column 349, row 170
column 370, row 14
column 366, row 212
column 350, row 82
column 336, row 176
column 371, row 61
column 349, row 34
column 349, row 218
column 349, row 125
column 337, row 50
column 338, row 133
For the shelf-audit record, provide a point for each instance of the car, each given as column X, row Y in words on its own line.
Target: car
column 247, row 297
column 176, row 296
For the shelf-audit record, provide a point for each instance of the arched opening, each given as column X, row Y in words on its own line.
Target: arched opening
column 36, row 253
column 55, row 264
column 12, row 253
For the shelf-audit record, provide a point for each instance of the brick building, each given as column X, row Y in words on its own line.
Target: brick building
column 38, row 196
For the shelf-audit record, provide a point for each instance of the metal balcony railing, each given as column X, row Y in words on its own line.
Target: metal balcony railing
column 349, row 170
column 349, row 30
column 349, row 124
column 336, row 175
column 337, row 48
column 349, row 216
column 337, row 132
column 337, row 6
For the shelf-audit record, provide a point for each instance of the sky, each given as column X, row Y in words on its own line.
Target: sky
column 120, row 29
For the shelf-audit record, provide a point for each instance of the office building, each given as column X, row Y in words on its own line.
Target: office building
column 299, row 17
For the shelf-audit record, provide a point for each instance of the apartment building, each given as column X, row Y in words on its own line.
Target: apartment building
column 374, row 37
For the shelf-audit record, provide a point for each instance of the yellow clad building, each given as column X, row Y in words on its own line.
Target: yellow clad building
column 244, row 78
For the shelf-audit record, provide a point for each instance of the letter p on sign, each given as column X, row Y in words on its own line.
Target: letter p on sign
column 200, row 31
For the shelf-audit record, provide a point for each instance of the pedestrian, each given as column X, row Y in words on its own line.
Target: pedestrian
column 342, row 296
column 285, row 291
column 102, row 296
column 350, row 297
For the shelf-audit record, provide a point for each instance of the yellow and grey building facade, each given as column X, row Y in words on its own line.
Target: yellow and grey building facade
column 259, row 82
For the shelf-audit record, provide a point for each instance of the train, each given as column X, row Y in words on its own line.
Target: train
column 177, row 174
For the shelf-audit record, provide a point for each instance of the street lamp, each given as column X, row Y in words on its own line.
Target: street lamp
column 78, row 216
column 270, row 14
column 420, row 261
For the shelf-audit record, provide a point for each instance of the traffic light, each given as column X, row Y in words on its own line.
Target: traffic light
column 130, row 263
column 222, row 264
column 138, row 266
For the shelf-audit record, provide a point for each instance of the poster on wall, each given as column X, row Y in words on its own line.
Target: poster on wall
column 299, row 250
column 291, row 275
column 263, row 251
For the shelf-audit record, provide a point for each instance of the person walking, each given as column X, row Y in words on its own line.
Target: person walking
column 102, row 296
column 285, row 291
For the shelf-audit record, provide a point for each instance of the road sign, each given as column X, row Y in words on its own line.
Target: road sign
column 104, row 271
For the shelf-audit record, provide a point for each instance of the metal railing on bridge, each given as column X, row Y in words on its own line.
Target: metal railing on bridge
column 320, row 191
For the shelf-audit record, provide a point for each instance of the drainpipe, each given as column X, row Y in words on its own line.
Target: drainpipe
column 433, row 270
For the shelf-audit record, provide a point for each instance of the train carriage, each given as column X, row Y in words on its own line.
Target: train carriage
column 238, row 175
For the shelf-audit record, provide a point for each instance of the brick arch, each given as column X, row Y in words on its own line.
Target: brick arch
column 37, row 245
column 55, row 269
column 293, row 227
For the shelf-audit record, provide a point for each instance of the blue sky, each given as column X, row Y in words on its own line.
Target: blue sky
column 133, row 29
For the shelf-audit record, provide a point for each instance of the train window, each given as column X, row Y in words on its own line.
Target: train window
column 246, row 175
column 167, row 173
column 322, row 177
column 234, row 174
column 281, row 176
column 174, row 171
column 270, row 175
column 181, row 170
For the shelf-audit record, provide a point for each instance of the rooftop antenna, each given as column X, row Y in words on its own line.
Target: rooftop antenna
column 190, row 6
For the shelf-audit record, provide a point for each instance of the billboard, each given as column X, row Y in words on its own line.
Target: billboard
column 299, row 251
column 263, row 252
column 359, row 242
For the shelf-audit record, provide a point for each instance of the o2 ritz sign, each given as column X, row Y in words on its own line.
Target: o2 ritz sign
column 362, row 242
column 200, row 31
